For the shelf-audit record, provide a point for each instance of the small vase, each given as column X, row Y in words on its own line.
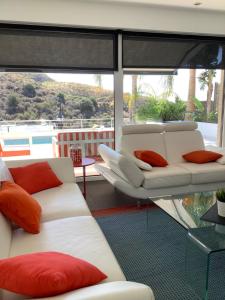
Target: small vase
column 221, row 208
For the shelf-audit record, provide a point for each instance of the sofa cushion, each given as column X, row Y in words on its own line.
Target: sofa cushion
column 80, row 237
column 20, row 207
column 46, row 274
column 182, row 142
column 147, row 141
column 169, row 176
column 35, row 177
column 205, row 173
column 62, row 202
column 151, row 157
column 117, row 290
column 180, row 126
column 65, row 173
column 143, row 128
column 140, row 164
column 202, row 156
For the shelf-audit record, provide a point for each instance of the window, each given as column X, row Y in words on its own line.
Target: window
column 46, row 113
column 188, row 94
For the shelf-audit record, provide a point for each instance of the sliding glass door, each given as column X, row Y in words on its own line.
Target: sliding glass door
column 184, row 95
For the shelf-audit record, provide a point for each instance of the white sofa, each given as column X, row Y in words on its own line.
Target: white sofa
column 67, row 226
column 171, row 140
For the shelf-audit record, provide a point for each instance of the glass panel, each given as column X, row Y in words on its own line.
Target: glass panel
column 196, row 267
column 42, row 115
column 188, row 209
column 187, row 95
column 204, row 265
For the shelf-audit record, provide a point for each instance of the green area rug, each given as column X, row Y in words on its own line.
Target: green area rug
column 156, row 255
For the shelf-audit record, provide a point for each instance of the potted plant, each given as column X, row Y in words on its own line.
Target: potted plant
column 220, row 195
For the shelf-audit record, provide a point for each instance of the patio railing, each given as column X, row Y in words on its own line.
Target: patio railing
column 54, row 137
column 7, row 126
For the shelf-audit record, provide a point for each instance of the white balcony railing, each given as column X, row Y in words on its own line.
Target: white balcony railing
column 45, row 125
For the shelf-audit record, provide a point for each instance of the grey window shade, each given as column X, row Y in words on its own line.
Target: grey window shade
column 57, row 49
column 152, row 51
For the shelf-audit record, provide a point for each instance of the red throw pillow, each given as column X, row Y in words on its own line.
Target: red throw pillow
column 46, row 274
column 151, row 157
column 202, row 156
column 20, row 207
column 35, row 177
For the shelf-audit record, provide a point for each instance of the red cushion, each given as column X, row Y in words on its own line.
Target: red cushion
column 20, row 207
column 46, row 274
column 151, row 157
column 202, row 156
column 35, row 177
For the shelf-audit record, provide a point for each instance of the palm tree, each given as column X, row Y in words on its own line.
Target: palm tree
column 134, row 95
column 131, row 99
column 168, row 83
column 98, row 80
column 220, row 109
column 61, row 102
column 190, row 108
column 206, row 80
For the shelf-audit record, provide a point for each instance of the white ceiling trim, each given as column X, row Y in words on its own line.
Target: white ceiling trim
column 218, row 5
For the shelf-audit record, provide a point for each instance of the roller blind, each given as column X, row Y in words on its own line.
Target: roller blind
column 172, row 51
column 50, row 48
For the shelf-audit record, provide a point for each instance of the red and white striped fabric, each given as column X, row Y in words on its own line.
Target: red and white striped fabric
column 89, row 140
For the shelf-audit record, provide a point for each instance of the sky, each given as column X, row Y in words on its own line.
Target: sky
column 149, row 84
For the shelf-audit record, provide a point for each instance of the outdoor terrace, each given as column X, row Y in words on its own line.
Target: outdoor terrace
column 53, row 138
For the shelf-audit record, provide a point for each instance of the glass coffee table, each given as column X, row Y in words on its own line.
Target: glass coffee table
column 204, row 239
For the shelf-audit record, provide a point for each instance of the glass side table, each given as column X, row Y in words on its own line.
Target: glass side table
column 202, row 245
column 205, row 241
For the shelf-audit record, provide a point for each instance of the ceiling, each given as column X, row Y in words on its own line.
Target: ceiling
column 205, row 4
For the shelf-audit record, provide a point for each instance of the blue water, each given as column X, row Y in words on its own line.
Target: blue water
column 36, row 140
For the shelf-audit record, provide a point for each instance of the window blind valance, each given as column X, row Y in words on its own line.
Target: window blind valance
column 51, row 48
column 172, row 51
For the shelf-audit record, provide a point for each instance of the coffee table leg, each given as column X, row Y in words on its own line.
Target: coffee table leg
column 84, row 181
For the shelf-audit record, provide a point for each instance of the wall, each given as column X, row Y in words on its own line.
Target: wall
column 209, row 132
column 97, row 13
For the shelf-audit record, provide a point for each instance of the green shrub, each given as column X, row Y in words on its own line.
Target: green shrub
column 87, row 108
column 162, row 109
column 29, row 91
column 12, row 105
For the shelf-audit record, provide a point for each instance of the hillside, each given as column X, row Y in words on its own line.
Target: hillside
column 30, row 96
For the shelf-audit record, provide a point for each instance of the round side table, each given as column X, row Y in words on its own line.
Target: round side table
column 86, row 161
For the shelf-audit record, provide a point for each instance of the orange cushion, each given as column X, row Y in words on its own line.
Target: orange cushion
column 35, row 177
column 151, row 157
column 46, row 274
column 20, row 207
column 202, row 156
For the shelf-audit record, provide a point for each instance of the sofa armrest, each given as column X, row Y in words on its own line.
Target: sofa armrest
column 122, row 166
column 218, row 150
column 118, row 290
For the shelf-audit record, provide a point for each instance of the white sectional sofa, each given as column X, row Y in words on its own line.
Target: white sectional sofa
column 171, row 140
column 67, row 226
